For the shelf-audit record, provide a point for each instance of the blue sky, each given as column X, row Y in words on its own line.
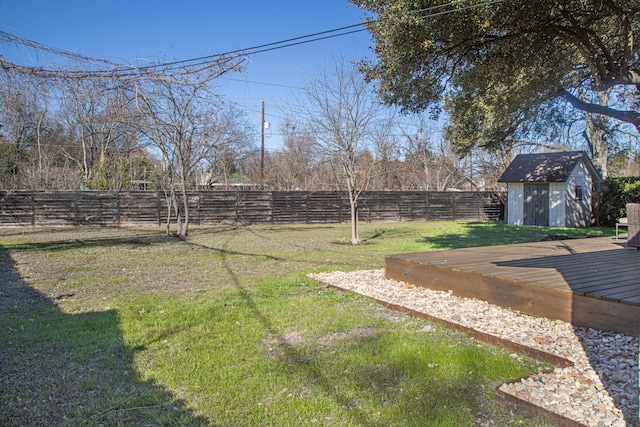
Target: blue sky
column 127, row 31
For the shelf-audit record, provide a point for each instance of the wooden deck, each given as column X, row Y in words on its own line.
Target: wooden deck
column 588, row 282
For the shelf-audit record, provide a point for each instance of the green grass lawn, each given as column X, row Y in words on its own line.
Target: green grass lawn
column 131, row 327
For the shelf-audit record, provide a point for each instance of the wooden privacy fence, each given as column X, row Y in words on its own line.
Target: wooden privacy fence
column 132, row 208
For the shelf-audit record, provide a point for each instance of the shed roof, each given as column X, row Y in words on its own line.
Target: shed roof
column 547, row 167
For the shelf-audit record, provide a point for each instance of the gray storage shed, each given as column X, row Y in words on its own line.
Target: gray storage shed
column 550, row 189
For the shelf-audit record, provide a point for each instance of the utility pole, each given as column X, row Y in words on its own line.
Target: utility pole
column 262, row 152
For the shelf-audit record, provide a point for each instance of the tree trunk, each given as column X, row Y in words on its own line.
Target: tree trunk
column 595, row 134
column 598, row 148
column 169, row 206
column 355, row 228
column 183, row 229
column 185, row 204
column 176, row 206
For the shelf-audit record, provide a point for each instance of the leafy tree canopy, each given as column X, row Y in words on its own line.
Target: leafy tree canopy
column 502, row 64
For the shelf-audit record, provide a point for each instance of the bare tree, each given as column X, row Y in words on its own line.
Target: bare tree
column 229, row 140
column 96, row 106
column 341, row 112
column 181, row 123
column 387, row 172
column 418, row 148
column 298, row 157
column 431, row 157
column 173, row 126
column 23, row 120
column 100, row 115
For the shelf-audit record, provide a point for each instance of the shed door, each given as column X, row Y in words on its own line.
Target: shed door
column 536, row 204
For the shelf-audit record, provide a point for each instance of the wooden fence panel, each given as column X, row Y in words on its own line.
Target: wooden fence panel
column 290, row 207
column 16, row 208
column 467, row 208
column 326, row 207
column 254, row 207
column 245, row 207
column 493, row 207
column 96, row 208
column 377, row 206
column 440, row 206
column 193, row 205
column 54, row 208
column 413, row 206
column 141, row 208
column 218, row 207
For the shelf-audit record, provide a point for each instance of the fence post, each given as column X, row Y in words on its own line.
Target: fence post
column 33, row 209
column 427, row 207
column 199, row 210
column 237, row 204
column 271, row 205
column 118, row 208
column 454, row 206
column 158, row 208
column 74, row 206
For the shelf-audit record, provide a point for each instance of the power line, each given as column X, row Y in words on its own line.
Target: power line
column 187, row 65
column 247, row 108
column 323, row 35
column 260, row 83
column 272, row 46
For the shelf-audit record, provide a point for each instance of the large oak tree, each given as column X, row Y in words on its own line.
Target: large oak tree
column 504, row 63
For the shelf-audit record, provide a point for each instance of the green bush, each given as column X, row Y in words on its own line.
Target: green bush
column 614, row 194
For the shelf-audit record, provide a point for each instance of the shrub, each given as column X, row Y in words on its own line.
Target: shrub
column 614, row 194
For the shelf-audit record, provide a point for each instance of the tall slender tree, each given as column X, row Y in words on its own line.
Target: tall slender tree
column 183, row 122
column 341, row 112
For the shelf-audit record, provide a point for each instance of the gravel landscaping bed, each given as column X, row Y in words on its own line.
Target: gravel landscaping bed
column 599, row 389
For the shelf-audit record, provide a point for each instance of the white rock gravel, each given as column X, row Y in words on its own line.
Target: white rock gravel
column 600, row 389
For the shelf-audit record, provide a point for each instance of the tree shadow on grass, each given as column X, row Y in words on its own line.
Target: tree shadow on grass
column 316, row 369
column 71, row 369
column 297, row 361
column 141, row 239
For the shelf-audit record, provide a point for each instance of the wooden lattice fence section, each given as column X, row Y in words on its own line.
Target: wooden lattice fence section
column 129, row 208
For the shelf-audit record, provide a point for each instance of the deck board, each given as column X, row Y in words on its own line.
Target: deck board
column 589, row 282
